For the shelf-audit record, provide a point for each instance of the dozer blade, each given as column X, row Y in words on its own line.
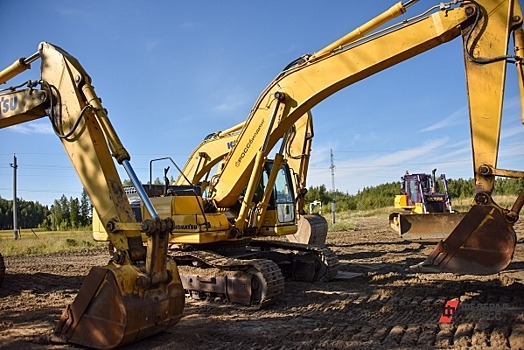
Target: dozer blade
column 111, row 310
column 482, row 244
column 312, row 229
column 425, row 227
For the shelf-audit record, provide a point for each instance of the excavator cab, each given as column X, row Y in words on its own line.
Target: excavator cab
column 282, row 201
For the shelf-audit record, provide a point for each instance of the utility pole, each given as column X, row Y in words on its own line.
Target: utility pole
column 15, row 206
column 332, row 167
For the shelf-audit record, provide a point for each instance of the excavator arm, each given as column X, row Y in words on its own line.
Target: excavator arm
column 81, row 124
column 139, row 292
column 312, row 228
column 485, row 27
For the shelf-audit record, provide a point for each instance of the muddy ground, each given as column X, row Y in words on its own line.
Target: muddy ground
column 384, row 307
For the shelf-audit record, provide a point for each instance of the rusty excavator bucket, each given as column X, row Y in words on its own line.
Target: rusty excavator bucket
column 113, row 309
column 121, row 304
column 424, row 227
column 312, row 229
column 482, row 243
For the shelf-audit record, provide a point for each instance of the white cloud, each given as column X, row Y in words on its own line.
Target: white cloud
column 403, row 156
column 507, row 133
column 352, row 175
column 454, row 118
column 33, row 128
column 189, row 25
column 232, row 104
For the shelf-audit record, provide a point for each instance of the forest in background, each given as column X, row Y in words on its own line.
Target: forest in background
column 75, row 213
column 382, row 196
column 63, row 214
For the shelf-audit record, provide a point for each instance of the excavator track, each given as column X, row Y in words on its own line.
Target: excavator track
column 2, row 269
column 325, row 264
column 210, row 276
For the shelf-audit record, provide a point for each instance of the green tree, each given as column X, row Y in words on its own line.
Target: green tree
column 85, row 209
column 74, row 213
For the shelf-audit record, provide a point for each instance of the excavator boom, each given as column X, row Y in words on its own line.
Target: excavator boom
column 316, row 78
column 207, row 154
column 139, row 292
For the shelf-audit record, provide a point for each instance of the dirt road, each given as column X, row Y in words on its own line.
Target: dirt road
column 383, row 307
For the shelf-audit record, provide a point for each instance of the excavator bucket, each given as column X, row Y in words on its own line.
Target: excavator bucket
column 482, row 244
column 312, row 229
column 111, row 310
column 424, row 227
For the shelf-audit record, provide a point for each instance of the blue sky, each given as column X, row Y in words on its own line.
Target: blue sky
column 171, row 72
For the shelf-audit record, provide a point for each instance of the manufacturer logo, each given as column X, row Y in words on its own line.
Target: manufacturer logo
column 186, row 227
column 8, row 104
column 192, row 227
column 248, row 145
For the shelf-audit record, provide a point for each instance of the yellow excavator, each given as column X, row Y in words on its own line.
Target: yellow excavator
column 484, row 241
column 141, row 290
column 305, row 258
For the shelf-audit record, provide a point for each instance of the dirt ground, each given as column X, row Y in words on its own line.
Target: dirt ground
column 383, row 307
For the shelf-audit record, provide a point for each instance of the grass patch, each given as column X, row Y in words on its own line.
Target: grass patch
column 464, row 205
column 45, row 242
column 346, row 221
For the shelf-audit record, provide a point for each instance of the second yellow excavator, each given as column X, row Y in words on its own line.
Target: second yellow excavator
column 305, row 258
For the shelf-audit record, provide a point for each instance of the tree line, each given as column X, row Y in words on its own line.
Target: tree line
column 63, row 214
column 383, row 195
column 76, row 213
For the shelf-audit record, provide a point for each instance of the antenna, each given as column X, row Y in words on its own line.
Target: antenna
column 332, row 167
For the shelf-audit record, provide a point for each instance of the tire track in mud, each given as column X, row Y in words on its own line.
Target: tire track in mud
column 376, row 321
